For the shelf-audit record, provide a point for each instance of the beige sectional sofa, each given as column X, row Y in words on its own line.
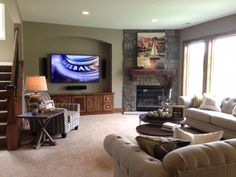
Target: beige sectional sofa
column 210, row 121
column 215, row 159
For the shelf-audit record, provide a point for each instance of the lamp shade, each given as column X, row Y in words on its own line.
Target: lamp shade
column 36, row 83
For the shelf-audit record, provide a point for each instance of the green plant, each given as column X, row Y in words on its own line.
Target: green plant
column 34, row 105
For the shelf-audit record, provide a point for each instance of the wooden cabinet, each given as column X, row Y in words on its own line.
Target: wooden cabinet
column 90, row 103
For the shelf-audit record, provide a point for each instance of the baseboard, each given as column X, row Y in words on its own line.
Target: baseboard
column 118, row 110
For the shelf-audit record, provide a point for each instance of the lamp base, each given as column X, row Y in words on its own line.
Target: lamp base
column 36, row 97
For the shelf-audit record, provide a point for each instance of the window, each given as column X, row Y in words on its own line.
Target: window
column 209, row 66
column 194, row 68
column 223, row 66
column 2, row 21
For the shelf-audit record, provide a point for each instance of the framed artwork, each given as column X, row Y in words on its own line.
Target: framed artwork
column 150, row 49
column 49, row 104
column 177, row 111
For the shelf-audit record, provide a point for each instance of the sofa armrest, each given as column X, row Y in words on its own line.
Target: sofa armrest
column 130, row 160
column 185, row 101
column 68, row 106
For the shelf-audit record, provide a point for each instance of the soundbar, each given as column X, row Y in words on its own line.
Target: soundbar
column 76, row 87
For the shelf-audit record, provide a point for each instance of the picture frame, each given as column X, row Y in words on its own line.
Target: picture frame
column 151, row 49
column 178, row 111
column 49, row 104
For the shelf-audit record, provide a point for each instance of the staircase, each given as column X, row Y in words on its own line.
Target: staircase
column 11, row 81
column 5, row 80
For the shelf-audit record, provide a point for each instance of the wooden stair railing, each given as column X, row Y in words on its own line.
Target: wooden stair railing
column 14, row 97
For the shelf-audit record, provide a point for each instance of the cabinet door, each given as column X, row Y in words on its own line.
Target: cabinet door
column 82, row 101
column 61, row 99
column 94, row 103
column 98, row 103
column 90, row 104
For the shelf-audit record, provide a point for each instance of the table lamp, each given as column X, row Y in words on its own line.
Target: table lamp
column 36, row 84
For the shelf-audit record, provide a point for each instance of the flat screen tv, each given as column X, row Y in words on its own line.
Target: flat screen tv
column 74, row 68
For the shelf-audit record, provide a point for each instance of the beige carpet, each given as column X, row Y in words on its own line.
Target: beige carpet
column 81, row 154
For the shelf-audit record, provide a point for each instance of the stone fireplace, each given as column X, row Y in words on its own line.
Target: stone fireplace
column 130, row 86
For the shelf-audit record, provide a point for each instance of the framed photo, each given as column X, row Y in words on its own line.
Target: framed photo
column 49, row 104
column 178, row 111
column 150, row 49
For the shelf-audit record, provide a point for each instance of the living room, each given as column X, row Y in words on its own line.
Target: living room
column 117, row 46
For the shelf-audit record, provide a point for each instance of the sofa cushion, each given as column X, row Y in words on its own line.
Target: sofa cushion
column 199, row 114
column 197, row 101
column 228, row 104
column 158, row 147
column 210, row 103
column 197, row 138
column 224, row 120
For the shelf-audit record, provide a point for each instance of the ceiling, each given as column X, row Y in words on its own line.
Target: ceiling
column 126, row 14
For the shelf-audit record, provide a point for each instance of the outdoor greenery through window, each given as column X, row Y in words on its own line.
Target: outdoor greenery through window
column 2, row 21
column 209, row 66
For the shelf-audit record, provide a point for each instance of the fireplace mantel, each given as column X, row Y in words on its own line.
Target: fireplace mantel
column 135, row 73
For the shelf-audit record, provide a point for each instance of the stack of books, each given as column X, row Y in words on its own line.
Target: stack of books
column 168, row 126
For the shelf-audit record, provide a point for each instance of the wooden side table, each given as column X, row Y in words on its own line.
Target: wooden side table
column 43, row 120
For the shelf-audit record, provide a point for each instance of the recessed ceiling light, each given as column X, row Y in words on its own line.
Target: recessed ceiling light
column 85, row 12
column 154, row 20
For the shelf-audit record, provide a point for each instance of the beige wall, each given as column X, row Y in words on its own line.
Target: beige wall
column 41, row 39
column 6, row 46
column 219, row 26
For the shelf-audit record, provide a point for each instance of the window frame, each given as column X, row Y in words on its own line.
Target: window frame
column 207, row 66
column 2, row 16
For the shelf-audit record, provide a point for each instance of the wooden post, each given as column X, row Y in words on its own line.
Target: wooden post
column 13, row 125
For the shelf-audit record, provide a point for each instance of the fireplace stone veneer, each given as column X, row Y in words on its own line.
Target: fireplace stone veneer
column 130, row 62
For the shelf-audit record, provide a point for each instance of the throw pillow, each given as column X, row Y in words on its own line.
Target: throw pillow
column 197, row 101
column 234, row 111
column 228, row 105
column 158, row 147
column 210, row 103
column 198, row 138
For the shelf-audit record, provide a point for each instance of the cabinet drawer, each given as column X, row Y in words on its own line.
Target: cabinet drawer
column 108, row 107
column 107, row 98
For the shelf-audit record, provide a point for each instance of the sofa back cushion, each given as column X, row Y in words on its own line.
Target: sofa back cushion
column 228, row 104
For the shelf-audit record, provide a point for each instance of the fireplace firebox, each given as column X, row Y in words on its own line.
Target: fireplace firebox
column 149, row 97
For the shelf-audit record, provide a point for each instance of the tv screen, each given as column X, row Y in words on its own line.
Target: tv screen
column 74, row 68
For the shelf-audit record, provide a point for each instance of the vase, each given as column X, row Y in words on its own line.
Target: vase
column 167, row 94
column 34, row 111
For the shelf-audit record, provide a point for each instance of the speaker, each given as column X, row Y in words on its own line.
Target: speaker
column 76, row 87
column 44, row 67
column 104, row 68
